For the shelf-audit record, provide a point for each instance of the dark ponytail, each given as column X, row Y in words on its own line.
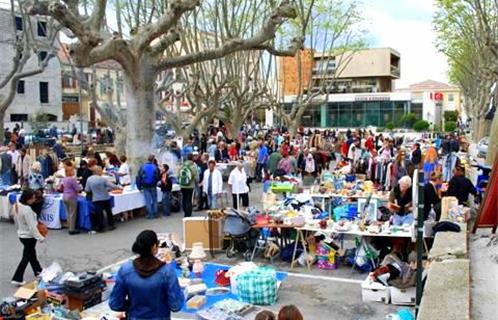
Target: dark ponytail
column 26, row 195
column 144, row 243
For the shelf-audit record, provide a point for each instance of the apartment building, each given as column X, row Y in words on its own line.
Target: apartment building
column 38, row 94
column 109, row 88
column 356, row 86
column 436, row 98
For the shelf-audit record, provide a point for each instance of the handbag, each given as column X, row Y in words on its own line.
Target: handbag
column 42, row 229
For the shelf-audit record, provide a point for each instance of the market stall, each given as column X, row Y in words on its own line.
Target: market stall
column 212, row 291
column 54, row 212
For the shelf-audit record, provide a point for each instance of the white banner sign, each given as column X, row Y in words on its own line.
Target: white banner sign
column 50, row 215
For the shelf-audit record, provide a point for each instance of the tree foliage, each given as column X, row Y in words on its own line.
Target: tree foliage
column 450, row 126
column 421, row 125
column 408, row 120
column 467, row 33
column 451, row 115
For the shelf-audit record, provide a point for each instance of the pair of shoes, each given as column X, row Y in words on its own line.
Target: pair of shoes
column 18, row 283
column 111, row 228
column 71, row 233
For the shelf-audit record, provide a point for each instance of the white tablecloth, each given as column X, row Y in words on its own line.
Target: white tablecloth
column 131, row 200
column 5, row 208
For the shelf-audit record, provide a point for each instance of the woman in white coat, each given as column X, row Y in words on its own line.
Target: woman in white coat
column 212, row 184
column 238, row 184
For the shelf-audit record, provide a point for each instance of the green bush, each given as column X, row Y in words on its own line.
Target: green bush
column 450, row 126
column 408, row 120
column 421, row 125
column 450, row 116
column 390, row 125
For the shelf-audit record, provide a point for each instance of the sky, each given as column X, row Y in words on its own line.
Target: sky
column 406, row 26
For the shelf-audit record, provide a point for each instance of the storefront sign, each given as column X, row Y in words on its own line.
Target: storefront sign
column 372, row 98
column 70, row 99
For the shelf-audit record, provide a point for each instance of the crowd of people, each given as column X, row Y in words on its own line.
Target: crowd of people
column 255, row 155
column 388, row 161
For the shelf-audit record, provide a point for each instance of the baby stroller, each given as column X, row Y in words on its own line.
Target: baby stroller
column 239, row 234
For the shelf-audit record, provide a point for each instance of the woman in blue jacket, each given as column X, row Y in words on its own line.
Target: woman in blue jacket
column 146, row 288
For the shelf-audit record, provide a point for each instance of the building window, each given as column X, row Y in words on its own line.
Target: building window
column 20, row 86
column 43, row 92
column 119, row 85
column 16, row 117
column 106, row 85
column 42, row 55
column 67, row 82
column 88, row 78
column 42, row 28
column 451, row 97
column 19, row 26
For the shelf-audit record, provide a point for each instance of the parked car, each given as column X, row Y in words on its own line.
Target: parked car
column 482, row 147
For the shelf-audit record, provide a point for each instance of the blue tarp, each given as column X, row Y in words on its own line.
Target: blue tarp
column 208, row 276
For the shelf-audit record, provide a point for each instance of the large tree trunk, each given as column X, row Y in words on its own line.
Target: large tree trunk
column 120, row 141
column 293, row 123
column 483, row 127
column 141, row 114
column 493, row 142
column 235, row 124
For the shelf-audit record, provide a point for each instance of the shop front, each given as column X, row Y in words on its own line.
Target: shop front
column 359, row 111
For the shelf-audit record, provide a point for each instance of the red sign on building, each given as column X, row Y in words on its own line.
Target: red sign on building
column 438, row 96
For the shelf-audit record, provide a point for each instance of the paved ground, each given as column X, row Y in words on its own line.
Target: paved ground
column 484, row 274
column 325, row 295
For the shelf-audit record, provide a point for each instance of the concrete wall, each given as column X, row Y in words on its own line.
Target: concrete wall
column 365, row 63
column 447, row 288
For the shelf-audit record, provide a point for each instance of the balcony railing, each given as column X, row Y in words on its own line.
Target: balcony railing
column 395, row 71
column 320, row 72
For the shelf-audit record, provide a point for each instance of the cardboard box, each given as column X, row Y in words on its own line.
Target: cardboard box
column 373, row 291
column 30, row 290
column 27, row 291
column 403, row 297
column 196, row 229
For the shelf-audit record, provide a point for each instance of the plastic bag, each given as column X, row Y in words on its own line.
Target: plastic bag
column 50, row 273
column 258, row 286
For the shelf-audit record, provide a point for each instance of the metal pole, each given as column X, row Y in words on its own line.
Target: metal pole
column 81, row 111
column 420, row 238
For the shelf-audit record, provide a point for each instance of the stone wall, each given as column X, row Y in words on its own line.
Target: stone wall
column 447, row 288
